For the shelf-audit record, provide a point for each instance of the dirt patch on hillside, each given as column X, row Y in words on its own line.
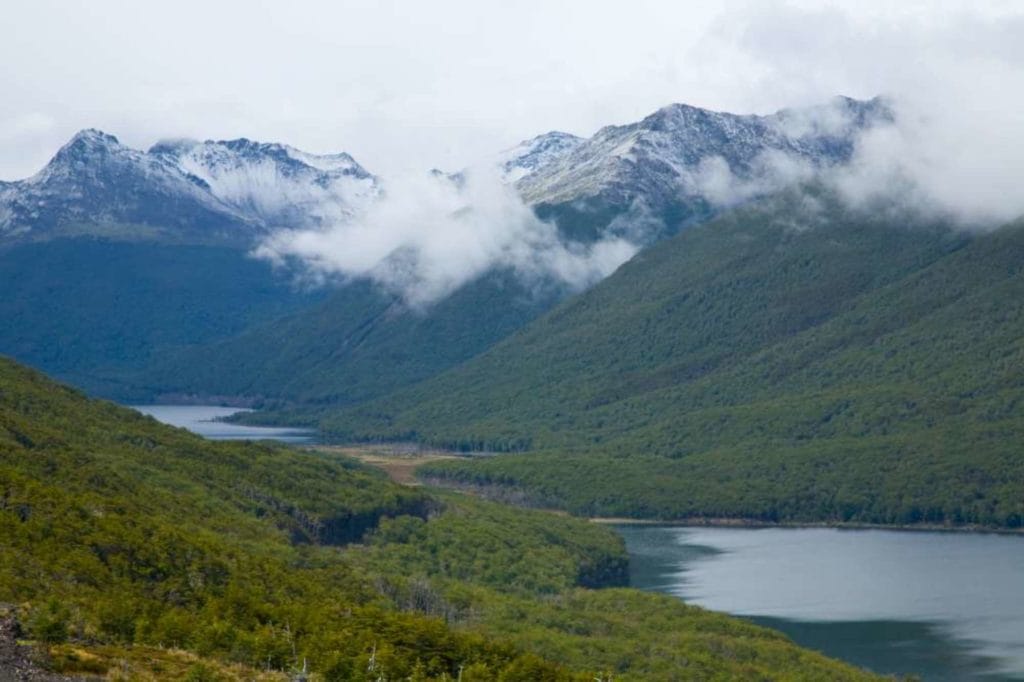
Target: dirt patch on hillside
column 399, row 463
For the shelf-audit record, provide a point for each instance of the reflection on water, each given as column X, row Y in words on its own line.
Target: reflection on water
column 946, row 606
column 201, row 419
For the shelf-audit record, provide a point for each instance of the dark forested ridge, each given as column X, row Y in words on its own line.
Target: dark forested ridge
column 359, row 343
column 142, row 320
column 128, row 544
column 789, row 361
column 87, row 309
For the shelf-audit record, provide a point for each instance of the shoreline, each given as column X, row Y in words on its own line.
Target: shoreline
column 400, row 461
column 726, row 522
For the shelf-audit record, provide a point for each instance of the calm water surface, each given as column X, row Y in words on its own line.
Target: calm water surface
column 945, row 606
column 201, row 419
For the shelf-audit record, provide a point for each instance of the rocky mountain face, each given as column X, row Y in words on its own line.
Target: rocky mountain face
column 94, row 180
column 220, row 192
column 641, row 180
column 648, row 178
column 534, row 155
column 273, row 184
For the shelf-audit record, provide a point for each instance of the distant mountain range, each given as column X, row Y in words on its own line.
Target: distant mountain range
column 641, row 181
column 771, row 352
column 239, row 190
column 275, row 185
column 182, row 191
column 647, row 179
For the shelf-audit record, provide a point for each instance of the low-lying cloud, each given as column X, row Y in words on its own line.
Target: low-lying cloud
column 961, row 165
column 429, row 235
column 954, row 75
column 937, row 161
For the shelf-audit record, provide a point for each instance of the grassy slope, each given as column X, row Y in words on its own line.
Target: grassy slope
column 780, row 363
column 116, row 530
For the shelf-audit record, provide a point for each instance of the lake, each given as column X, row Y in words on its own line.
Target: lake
column 201, row 419
column 945, row 606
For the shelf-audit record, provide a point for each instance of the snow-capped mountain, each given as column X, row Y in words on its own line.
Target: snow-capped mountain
column 535, row 154
column 640, row 180
column 659, row 161
column 231, row 191
column 95, row 180
column 274, row 184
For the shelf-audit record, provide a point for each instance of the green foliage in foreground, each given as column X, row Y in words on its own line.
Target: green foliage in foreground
column 116, row 531
column 505, row 572
column 785, row 362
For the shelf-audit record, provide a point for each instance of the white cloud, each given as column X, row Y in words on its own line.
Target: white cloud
column 428, row 236
column 772, row 171
column 954, row 72
column 405, row 86
column 410, row 85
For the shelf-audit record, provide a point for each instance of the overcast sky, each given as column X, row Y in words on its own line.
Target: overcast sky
column 404, row 85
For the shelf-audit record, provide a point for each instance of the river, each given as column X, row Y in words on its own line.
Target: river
column 945, row 606
column 202, row 419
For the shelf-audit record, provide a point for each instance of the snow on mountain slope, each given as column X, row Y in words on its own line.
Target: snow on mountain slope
column 275, row 184
column 535, row 154
column 96, row 180
column 659, row 159
column 235, row 191
column 680, row 162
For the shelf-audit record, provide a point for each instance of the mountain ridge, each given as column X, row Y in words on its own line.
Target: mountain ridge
column 232, row 191
column 258, row 187
column 654, row 166
column 242, row 188
column 851, row 370
column 456, row 329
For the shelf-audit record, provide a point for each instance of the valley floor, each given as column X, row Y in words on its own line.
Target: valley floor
column 398, row 463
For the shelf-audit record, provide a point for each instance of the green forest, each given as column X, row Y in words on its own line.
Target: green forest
column 358, row 344
column 100, row 324
column 794, row 360
column 130, row 548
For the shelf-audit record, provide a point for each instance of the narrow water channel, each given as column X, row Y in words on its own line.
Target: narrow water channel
column 203, row 419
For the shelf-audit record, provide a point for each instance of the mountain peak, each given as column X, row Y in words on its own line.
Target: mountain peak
column 243, row 150
column 548, row 139
column 86, row 141
column 93, row 136
column 273, row 183
column 657, row 161
column 531, row 155
column 339, row 161
column 677, row 115
column 86, row 148
column 172, row 145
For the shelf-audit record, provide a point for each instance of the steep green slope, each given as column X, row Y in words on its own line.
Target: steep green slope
column 82, row 308
column 783, row 362
column 358, row 344
column 117, row 532
column 139, row 321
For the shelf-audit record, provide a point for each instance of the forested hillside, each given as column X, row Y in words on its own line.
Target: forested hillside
column 360, row 343
column 86, row 309
column 790, row 361
column 131, row 547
